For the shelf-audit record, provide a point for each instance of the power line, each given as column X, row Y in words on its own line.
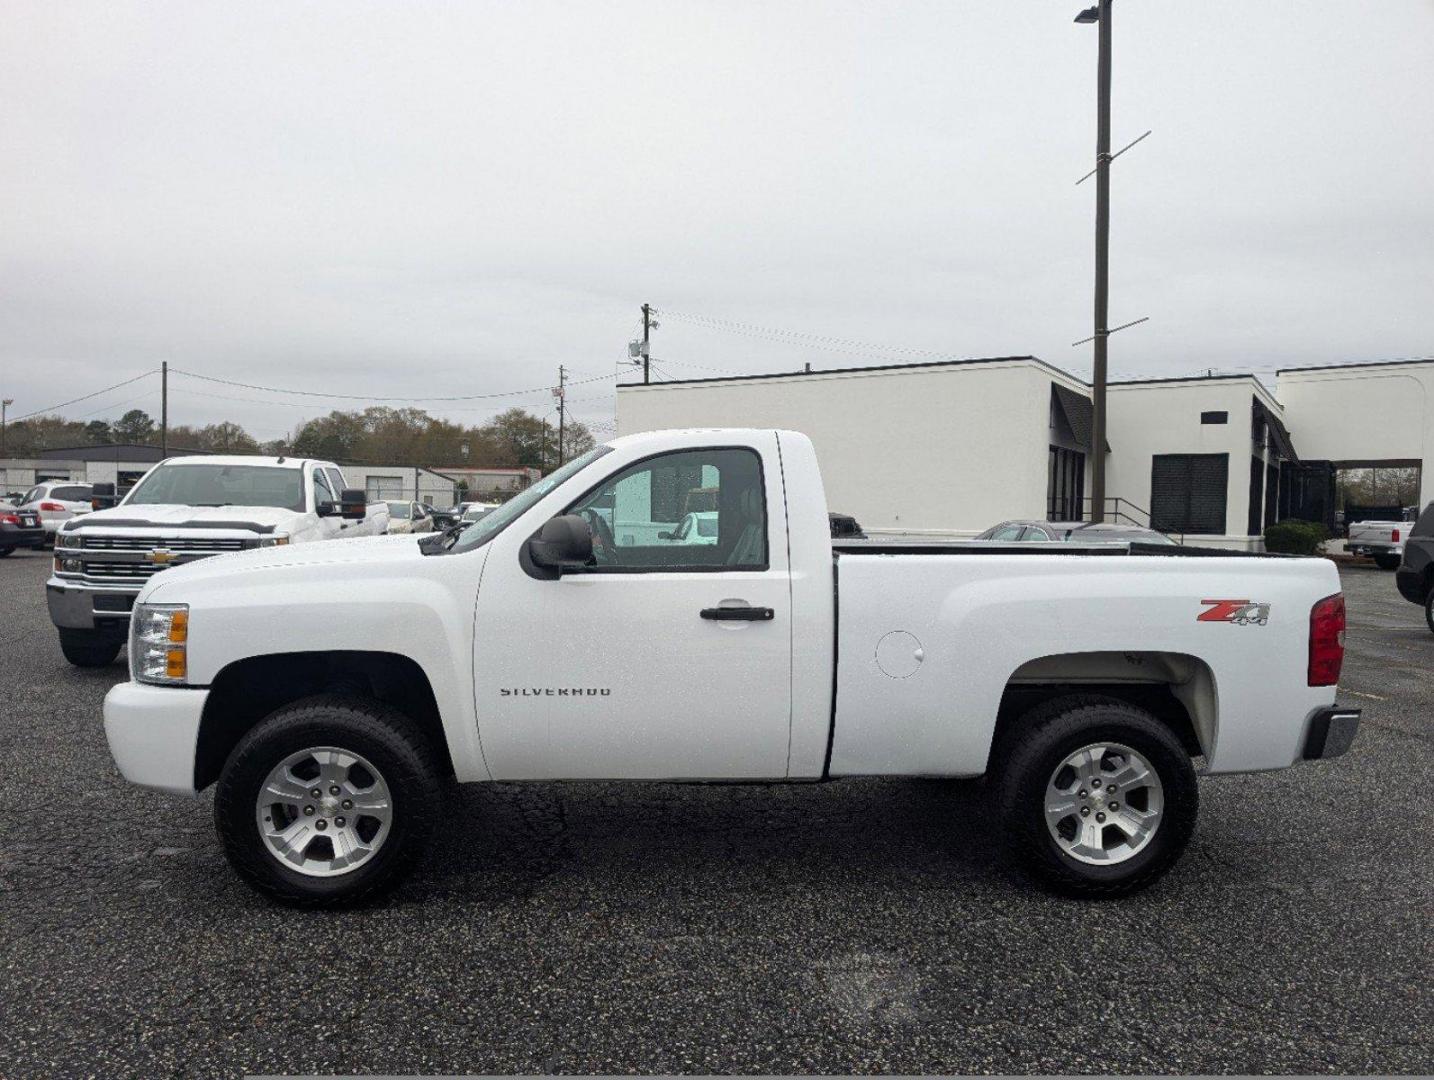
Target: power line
column 377, row 397
column 86, row 397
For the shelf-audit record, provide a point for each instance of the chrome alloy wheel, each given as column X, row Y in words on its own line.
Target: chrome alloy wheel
column 1103, row 804
column 324, row 811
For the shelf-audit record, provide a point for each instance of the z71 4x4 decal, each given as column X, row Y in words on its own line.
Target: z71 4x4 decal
column 1239, row 612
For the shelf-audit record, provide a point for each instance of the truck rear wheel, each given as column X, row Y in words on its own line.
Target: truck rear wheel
column 1388, row 562
column 1099, row 799
column 1429, row 609
column 86, row 648
column 327, row 801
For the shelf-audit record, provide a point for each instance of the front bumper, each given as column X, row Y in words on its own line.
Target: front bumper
column 153, row 732
column 74, row 606
column 1330, row 732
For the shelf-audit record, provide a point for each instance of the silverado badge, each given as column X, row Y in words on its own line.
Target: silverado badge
column 161, row 556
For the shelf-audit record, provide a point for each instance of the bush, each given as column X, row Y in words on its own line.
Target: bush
column 1294, row 537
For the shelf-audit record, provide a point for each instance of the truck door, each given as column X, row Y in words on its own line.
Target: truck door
column 671, row 657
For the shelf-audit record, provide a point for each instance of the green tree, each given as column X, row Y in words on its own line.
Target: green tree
column 97, row 433
column 134, row 426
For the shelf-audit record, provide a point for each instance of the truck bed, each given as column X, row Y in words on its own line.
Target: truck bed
column 986, row 547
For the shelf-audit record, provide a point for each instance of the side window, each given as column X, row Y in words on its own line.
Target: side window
column 692, row 509
column 1008, row 533
column 322, row 491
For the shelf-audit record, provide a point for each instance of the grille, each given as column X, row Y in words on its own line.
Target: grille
column 207, row 545
column 114, row 571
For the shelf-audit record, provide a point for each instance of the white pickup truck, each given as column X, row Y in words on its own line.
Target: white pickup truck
column 330, row 690
column 1382, row 540
column 184, row 509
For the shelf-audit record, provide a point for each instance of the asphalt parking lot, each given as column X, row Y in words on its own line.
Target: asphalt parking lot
column 848, row 927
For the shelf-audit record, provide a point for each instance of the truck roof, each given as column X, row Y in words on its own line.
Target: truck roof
column 242, row 459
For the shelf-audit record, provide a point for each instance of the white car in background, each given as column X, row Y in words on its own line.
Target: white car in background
column 408, row 517
column 699, row 527
column 56, row 501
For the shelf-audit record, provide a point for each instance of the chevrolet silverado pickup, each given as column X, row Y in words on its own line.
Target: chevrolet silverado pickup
column 184, row 509
column 329, row 691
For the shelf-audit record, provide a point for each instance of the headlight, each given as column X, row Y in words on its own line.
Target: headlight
column 159, row 636
column 272, row 541
column 65, row 563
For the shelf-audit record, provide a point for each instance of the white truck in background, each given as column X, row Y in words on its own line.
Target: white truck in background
column 329, row 690
column 182, row 510
column 1382, row 540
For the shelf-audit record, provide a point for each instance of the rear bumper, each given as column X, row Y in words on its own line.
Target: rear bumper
column 1330, row 732
column 153, row 732
column 1375, row 548
column 1411, row 584
column 10, row 536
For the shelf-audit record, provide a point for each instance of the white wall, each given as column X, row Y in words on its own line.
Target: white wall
column 921, row 449
column 432, row 488
column 1145, row 419
column 1363, row 413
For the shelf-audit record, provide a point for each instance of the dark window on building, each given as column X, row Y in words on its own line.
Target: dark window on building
column 1257, row 496
column 1065, row 485
column 1220, row 417
column 1272, row 490
column 1188, row 491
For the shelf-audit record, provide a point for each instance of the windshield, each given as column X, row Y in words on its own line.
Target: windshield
column 490, row 525
column 398, row 510
column 221, row 485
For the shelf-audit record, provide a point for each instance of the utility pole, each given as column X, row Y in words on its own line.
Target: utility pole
column 646, row 342
column 164, row 408
column 562, row 416
column 5, row 403
column 1102, row 263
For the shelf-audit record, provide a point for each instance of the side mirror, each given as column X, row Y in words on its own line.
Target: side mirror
column 102, row 496
column 563, row 543
column 353, row 504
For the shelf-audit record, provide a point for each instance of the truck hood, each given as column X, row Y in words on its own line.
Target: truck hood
column 367, row 549
column 162, row 516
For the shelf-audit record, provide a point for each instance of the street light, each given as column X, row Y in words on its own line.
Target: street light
column 1100, row 14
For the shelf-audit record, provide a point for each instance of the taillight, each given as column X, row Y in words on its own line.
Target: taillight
column 1326, row 640
column 1394, row 536
column 9, row 519
column 51, row 506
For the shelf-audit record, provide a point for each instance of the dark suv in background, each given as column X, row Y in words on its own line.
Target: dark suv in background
column 1415, row 576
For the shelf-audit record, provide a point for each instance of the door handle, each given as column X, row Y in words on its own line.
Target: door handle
column 739, row 614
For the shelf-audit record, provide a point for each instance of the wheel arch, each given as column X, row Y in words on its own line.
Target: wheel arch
column 1178, row 689
column 247, row 690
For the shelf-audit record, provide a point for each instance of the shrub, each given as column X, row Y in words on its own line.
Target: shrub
column 1293, row 537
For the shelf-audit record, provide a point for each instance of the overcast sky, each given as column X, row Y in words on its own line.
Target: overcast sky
column 423, row 199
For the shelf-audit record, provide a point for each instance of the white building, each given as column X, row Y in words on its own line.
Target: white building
column 1364, row 415
column 952, row 448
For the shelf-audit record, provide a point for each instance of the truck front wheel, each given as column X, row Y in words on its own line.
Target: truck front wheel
column 86, row 648
column 327, row 801
column 1099, row 799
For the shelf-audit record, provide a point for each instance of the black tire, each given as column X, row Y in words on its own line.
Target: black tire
column 1429, row 609
column 5, row 551
column 1387, row 562
column 386, row 738
column 1041, row 741
column 85, row 648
